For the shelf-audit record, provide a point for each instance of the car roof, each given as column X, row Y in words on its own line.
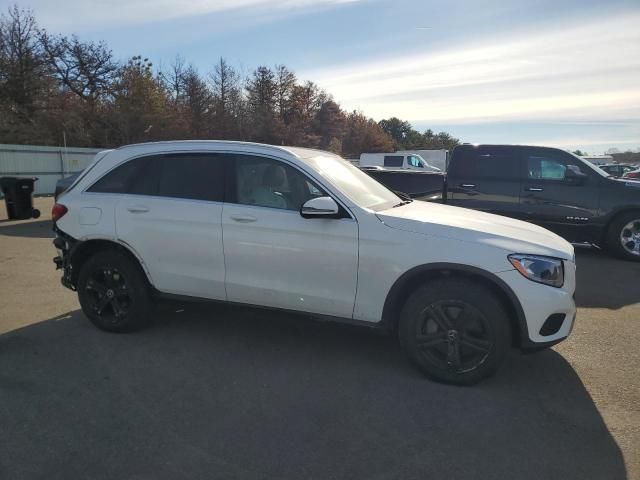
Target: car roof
column 299, row 152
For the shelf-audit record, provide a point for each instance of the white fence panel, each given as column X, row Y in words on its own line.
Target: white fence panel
column 48, row 164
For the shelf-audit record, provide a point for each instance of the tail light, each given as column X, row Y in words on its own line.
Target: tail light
column 58, row 211
column 632, row 175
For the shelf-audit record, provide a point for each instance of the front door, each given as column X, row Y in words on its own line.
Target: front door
column 559, row 193
column 274, row 257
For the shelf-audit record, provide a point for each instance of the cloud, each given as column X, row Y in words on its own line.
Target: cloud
column 566, row 71
column 81, row 14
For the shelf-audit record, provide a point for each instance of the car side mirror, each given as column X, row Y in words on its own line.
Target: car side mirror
column 320, row 207
column 574, row 176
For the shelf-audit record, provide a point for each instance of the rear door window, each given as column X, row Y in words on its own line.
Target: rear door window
column 196, row 176
column 486, row 162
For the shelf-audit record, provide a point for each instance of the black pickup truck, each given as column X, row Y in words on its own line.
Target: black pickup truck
column 547, row 186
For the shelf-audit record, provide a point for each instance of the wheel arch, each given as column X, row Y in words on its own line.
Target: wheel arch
column 83, row 250
column 615, row 216
column 422, row 274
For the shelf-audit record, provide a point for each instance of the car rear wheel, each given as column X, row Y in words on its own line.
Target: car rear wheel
column 624, row 236
column 113, row 292
column 455, row 331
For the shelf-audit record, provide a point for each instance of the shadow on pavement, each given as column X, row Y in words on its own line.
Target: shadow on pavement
column 225, row 392
column 604, row 281
column 27, row 228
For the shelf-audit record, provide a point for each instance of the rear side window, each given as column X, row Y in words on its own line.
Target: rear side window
column 197, row 176
column 486, row 162
column 130, row 177
column 393, row 160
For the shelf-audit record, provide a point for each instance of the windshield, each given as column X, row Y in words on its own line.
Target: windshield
column 361, row 189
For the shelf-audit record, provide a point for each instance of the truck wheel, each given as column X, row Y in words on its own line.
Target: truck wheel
column 623, row 237
column 113, row 292
column 455, row 331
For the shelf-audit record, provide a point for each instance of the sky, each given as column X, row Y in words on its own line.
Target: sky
column 557, row 73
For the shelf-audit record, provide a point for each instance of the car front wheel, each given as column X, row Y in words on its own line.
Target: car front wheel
column 455, row 331
column 623, row 237
column 113, row 292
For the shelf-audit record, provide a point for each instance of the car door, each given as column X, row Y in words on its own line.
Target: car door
column 559, row 193
column 170, row 216
column 485, row 178
column 274, row 257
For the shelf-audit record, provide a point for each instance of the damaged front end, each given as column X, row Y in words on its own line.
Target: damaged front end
column 66, row 246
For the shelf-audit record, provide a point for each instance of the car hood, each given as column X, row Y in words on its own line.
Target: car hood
column 513, row 236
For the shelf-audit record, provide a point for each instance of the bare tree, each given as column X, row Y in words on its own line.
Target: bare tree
column 174, row 79
column 22, row 66
column 285, row 82
column 86, row 69
column 227, row 99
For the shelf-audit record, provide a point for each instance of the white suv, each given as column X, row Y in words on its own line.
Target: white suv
column 306, row 231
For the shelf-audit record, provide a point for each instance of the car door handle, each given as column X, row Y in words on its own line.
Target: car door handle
column 138, row 209
column 467, row 185
column 534, row 189
column 243, row 218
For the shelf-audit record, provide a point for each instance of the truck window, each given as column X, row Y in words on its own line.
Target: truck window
column 486, row 162
column 414, row 161
column 545, row 169
column 550, row 165
column 393, row 160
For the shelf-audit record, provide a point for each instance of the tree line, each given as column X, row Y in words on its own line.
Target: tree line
column 57, row 89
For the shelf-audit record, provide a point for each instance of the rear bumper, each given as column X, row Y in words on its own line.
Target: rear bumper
column 542, row 305
column 65, row 246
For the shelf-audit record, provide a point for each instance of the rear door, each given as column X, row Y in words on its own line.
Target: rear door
column 559, row 193
column 170, row 215
column 485, row 178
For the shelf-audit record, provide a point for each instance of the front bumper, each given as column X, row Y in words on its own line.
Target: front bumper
column 542, row 305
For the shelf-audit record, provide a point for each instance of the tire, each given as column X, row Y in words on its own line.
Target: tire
column 113, row 292
column 625, row 227
column 455, row 331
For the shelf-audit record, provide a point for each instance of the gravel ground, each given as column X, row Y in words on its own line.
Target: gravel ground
column 227, row 392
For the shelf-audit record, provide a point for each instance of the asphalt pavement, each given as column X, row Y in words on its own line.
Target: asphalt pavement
column 213, row 391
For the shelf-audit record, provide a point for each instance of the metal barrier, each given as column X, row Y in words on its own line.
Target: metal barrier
column 49, row 164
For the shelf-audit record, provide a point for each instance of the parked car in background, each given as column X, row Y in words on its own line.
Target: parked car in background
column 617, row 169
column 64, row 183
column 633, row 174
column 414, row 184
column 398, row 160
column 304, row 230
column 547, row 186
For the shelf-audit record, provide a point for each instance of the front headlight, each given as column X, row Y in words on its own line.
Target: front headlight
column 547, row 270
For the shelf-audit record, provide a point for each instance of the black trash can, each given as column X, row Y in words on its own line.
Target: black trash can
column 18, row 198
